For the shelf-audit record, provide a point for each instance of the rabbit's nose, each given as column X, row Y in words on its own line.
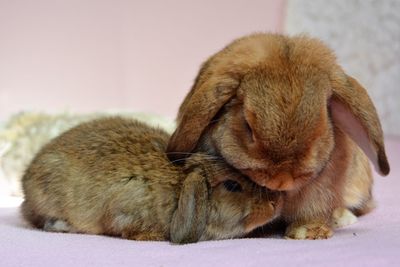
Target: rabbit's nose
column 282, row 181
column 277, row 202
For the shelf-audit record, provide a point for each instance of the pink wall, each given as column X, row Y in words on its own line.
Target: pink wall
column 86, row 55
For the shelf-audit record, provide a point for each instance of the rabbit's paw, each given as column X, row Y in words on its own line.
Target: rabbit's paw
column 309, row 231
column 56, row 225
column 342, row 217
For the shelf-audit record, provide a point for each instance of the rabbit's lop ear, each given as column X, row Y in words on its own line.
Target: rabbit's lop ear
column 353, row 111
column 190, row 218
column 208, row 95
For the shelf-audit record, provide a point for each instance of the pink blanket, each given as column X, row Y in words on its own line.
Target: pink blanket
column 373, row 241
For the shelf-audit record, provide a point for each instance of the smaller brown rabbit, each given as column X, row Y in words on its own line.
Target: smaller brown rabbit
column 112, row 176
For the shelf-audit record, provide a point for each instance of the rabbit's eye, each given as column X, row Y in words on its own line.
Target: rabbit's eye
column 249, row 130
column 232, row 186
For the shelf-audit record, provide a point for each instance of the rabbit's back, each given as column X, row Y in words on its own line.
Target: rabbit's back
column 95, row 174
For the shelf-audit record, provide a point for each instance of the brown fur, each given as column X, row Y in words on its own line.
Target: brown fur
column 280, row 110
column 112, row 176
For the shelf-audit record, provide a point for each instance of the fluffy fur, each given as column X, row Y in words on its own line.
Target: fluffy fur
column 112, row 176
column 282, row 111
column 25, row 133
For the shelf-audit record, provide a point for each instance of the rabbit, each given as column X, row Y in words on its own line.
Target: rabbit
column 281, row 111
column 112, row 176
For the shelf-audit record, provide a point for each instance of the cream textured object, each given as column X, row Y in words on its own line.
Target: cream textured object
column 365, row 35
column 25, row 133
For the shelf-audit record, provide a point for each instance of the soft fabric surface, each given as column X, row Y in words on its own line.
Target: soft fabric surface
column 373, row 241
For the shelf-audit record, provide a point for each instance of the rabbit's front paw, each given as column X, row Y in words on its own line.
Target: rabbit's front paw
column 342, row 217
column 309, row 231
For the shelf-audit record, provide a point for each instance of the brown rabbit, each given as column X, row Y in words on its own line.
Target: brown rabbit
column 282, row 111
column 111, row 176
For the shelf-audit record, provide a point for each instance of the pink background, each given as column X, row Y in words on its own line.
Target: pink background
column 107, row 54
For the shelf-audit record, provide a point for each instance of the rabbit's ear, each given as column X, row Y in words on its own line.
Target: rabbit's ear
column 208, row 95
column 353, row 111
column 190, row 218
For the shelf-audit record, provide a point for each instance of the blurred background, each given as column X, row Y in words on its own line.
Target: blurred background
column 91, row 55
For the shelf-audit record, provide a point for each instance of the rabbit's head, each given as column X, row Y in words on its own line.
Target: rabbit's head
column 217, row 202
column 272, row 105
